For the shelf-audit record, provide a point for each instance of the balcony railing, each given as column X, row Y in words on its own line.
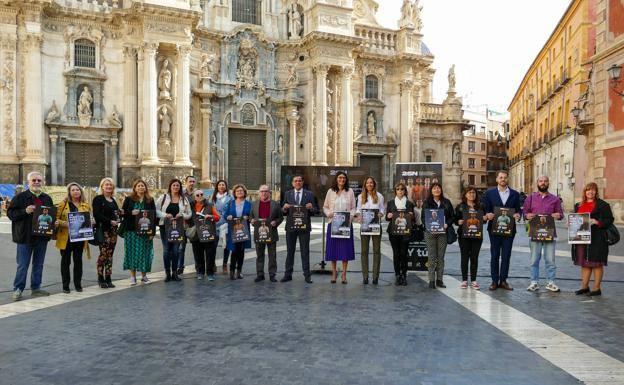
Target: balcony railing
column 92, row 5
column 377, row 38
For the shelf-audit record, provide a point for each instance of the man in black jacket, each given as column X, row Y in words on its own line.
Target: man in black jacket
column 29, row 246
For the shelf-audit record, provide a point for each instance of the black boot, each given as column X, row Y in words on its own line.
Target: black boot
column 439, row 283
column 404, row 283
column 232, row 272
column 432, row 285
column 101, row 282
column 174, row 277
column 109, row 282
column 397, row 282
column 168, row 276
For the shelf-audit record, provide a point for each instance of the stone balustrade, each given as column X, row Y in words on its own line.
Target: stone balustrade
column 377, row 38
column 92, row 5
column 430, row 111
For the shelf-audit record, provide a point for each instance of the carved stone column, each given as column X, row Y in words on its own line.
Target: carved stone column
column 183, row 135
column 406, row 121
column 293, row 119
column 129, row 150
column 347, row 118
column 149, row 151
column 320, row 136
column 206, row 172
column 53, row 158
column 32, row 108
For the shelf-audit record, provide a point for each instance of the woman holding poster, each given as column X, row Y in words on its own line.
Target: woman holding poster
column 73, row 202
column 240, row 209
column 593, row 257
column 339, row 198
column 397, row 211
column 204, row 252
column 370, row 203
column 469, row 218
column 436, row 243
column 138, row 249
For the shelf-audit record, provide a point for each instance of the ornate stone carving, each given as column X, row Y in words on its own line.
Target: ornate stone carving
column 410, row 15
column 456, row 155
column 114, row 119
column 333, row 21
column 8, row 73
column 295, row 21
column 165, row 123
column 391, row 136
column 247, row 64
column 293, row 77
column 84, row 107
column 451, row 78
column 370, row 124
column 53, row 113
column 164, row 81
column 93, row 33
column 209, row 67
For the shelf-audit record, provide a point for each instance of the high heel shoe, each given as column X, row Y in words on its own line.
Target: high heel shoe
column 334, row 277
column 344, row 278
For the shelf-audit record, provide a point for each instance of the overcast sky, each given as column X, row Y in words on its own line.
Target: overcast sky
column 491, row 42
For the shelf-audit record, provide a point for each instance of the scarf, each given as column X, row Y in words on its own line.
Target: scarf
column 401, row 204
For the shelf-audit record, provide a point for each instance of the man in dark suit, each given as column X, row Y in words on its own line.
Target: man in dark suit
column 298, row 196
column 270, row 210
column 500, row 250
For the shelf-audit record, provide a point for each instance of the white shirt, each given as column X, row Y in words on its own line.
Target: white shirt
column 370, row 204
column 504, row 195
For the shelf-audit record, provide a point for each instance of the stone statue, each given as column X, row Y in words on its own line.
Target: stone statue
column 164, row 81
column 295, row 21
column 410, row 15
column 456, row 154
column 370, row 119
column 53, row 113
column 208, row 67
column 391, row 137
column 293, row 77
column 84, row 103
column 280, row 144
column 451, row 78
column 330, row 92
column 114, row 117
column 165, row 123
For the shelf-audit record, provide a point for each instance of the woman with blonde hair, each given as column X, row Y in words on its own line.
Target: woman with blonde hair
column 593, row 257
column 73, row 202
column 370, row 198
column 107, row 216
column 138, row 249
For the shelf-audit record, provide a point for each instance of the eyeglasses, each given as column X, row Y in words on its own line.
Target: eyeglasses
column 199, row 195
column 36, row 180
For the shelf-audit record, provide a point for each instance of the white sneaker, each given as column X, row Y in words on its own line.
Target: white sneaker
column 17, row 295
column 552, row 287
column 200, row 276
column 145, row 280
column 132, row 281
column 533, row 286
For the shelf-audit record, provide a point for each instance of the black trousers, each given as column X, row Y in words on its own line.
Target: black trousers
column 469, row 249
column 399, row 253
column 237, row 257
column 291, row 246
column 204, row 254
column 73, row 250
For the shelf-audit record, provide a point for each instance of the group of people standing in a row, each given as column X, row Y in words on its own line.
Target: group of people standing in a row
column 222, row 207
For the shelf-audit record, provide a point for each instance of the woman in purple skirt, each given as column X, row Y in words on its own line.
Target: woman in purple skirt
column 338, row 202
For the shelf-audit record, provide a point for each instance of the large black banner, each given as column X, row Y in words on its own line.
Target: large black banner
column 418, row 178
column 319, row 179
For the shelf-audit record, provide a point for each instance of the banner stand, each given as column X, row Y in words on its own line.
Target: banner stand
column 322, row 264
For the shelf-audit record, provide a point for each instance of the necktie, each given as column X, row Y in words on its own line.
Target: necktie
column 298, row 197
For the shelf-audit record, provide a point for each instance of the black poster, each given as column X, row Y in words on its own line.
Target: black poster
column 401, row 223
column 341, row 225
column 542, row 228
column 434, row 221
column 503, row 222
column 370, row 222
column 144, row 222
column 262, row 231
column 206, row 231
column 297, row 218
column 472, row 228
column 240, row 230
column 43, row 221
column 80, row 226
column 174, row 229
column 418, row 178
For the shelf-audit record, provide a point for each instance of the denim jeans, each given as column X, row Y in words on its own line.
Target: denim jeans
column 25, row 251
column 547, row 249
column 170, row 254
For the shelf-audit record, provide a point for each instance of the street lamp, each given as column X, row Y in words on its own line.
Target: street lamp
column 615, row 71
column 576, row 113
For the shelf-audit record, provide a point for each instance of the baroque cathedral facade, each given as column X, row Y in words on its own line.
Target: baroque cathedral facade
column 229, row 89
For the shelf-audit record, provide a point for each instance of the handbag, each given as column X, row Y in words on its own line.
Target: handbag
column 612, row 235
column 451, row 235
column 98, row 236
column 191, row 232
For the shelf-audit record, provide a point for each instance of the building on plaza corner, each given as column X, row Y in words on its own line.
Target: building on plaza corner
column 221, row 89
column 601, row 111
column 542, row 139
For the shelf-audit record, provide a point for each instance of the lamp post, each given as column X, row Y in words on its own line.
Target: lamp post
column 615, row 71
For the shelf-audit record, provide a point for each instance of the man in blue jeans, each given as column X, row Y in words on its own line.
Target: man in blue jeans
column 543, row 203
column 29, row 246
column 500, row 248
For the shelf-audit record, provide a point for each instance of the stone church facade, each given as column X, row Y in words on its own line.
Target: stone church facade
column 228, row 89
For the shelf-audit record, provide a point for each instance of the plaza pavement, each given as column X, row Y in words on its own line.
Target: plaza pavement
column 235, row 332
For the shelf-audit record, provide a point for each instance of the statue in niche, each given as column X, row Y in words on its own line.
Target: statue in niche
column 456, row 154
column 370, row 123
column 214, row 138
column 294, row 16
column 451, row 78
column 165, row 123
column 208, row 69
column 293, row 77
column 330, row 92
column 53, row 113
column 84, row 102
column 280, row 145
column 164, row 81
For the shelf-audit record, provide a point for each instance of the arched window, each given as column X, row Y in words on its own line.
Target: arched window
column 247, row 11
column 84, row 53
column 372, row 87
